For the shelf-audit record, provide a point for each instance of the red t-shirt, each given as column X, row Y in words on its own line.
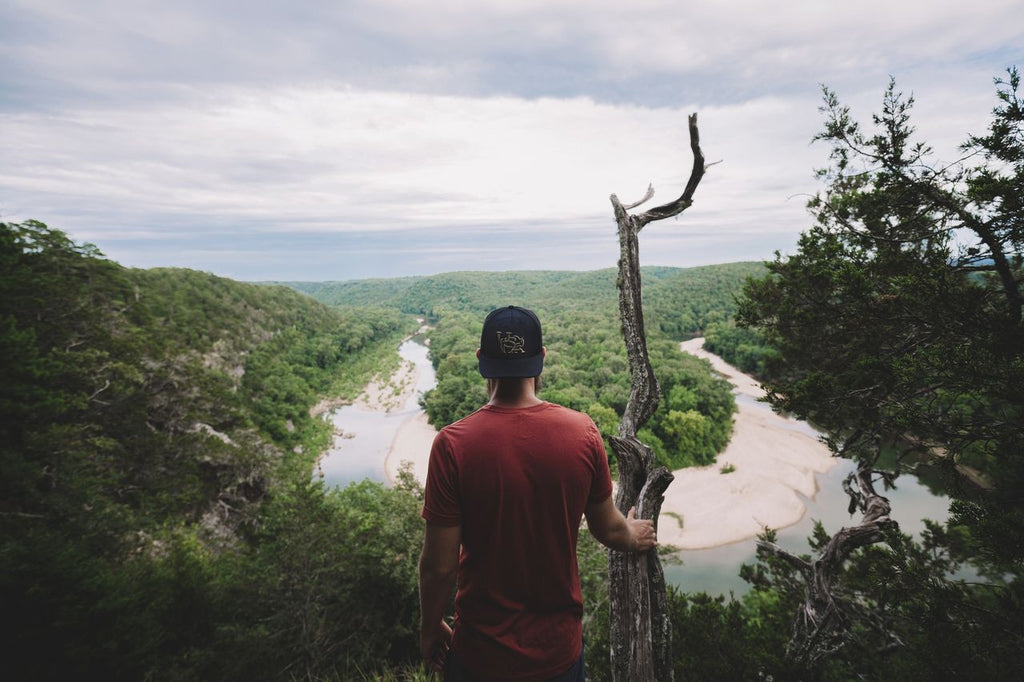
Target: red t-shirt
column 517, row 481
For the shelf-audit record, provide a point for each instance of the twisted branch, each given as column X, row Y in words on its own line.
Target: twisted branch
column 819, row 627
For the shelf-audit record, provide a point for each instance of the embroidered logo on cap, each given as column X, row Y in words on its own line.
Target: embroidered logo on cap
column 511, row 343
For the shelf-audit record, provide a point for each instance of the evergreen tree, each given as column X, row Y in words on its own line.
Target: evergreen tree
column 898, row 325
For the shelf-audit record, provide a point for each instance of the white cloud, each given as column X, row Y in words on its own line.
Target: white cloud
column 336, row 159
column 749, row 36
column 145, row 123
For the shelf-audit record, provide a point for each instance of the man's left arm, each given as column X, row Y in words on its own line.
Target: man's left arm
column 439, row 564
column 621, row 533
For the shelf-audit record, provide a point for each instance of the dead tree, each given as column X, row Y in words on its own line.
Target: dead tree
column 640, row 633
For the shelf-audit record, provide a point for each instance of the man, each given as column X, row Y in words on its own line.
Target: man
column 510, row 484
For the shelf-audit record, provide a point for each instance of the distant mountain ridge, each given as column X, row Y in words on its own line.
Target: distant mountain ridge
column 681, row 300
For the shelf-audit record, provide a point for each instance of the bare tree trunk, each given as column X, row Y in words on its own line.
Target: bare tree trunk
column 640, row 633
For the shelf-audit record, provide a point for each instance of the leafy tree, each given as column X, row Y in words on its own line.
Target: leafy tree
column 149, row 421
column 741, row 347
column 330, row 579
column 898, row 324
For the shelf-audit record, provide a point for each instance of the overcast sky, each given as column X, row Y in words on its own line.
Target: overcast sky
column 343, row 139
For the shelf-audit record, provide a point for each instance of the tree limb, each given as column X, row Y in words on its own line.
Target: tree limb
column 819, row 627
column 685, row 200
column 648, row 195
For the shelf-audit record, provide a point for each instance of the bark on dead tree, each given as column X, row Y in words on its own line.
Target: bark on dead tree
column 640, row 633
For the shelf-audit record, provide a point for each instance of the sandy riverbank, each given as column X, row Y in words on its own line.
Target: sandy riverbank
column 412, row 441
column 411, row 447
column 384, row 395
column 380, row 395
column 775, row 464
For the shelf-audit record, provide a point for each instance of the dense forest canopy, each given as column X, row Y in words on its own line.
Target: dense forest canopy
column 586, row 369
column 683, row 301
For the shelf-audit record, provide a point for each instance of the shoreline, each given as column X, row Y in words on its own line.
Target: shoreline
column 411, row 443
column 410, row 447
column 776, row 461
column 382, row 395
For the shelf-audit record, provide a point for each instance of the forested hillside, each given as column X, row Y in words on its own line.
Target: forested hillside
column 680, row 301
column 155, row 452
column 586, row 366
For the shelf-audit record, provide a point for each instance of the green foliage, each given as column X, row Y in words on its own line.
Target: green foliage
column 689, row 302
column 147, row 416
column 908, row 618
column 713, row 638
column 679, row 302
column 330, row 579
column 586, row 366
column 742, row 347
column 890, row 330
column 606, row 419
column 586, row 369
column 459, row 390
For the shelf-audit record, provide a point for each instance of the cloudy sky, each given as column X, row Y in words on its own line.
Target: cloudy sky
column 342, row 139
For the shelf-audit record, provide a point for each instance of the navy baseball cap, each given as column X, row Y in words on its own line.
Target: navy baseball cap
column 511, row 344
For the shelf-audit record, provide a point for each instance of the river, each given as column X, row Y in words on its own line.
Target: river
column 368, row 434
column 362, row 452
column 716, row 570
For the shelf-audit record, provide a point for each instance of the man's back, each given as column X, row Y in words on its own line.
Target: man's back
column 517, row 480
column 506, row 489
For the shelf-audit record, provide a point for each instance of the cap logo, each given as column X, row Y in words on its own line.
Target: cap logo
column 511, row 343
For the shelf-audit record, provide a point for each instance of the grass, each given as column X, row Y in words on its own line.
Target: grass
column 676, row 516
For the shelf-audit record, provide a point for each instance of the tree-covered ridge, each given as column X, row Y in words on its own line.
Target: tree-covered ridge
column 681, row 301
column 686, row 302
column 146, row 420
column 140, row 365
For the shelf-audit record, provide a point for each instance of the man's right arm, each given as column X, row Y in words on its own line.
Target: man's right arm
column 439, row 564
column 621, row 533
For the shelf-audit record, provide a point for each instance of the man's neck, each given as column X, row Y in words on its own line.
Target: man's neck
column 514, row 393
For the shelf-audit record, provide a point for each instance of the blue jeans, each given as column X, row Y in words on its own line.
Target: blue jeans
column 454, row 671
